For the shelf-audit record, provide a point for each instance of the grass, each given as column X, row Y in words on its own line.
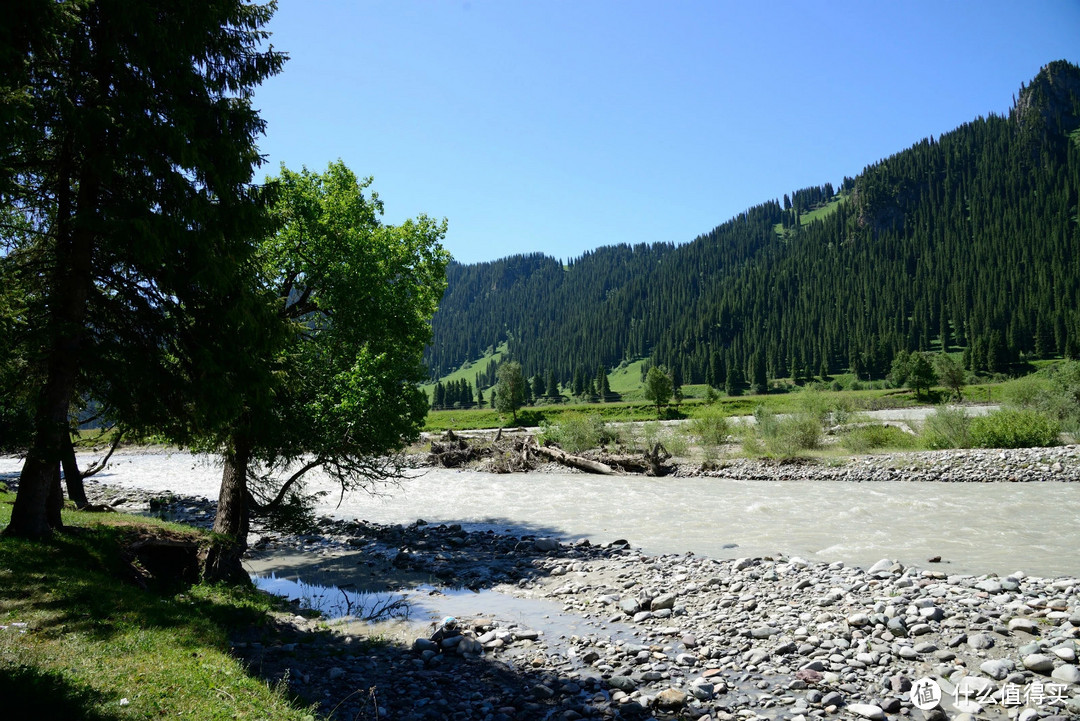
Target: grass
column 818, row 213
column 82, row 641
column 470, row 418
column 468, row 371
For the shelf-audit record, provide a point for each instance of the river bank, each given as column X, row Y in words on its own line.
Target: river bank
column 574, row 629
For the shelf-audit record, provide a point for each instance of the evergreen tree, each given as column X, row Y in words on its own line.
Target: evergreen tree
column 125, row 169
column 602, row 386
column 551, row 385
column 759, row 383
column 733, row 384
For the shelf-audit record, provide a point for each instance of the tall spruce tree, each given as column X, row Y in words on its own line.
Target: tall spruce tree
column 130, row 205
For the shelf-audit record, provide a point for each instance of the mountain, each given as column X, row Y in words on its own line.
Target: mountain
column 970, row 241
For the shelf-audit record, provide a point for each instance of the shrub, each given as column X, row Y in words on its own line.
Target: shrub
column 867, row 438
column 784, row 436
column 947, row 428
column 1027, row 392
column 578, row 432
column 1011, row 428
column 676, row 442
column 710, row 427
column 795, row 434
column 765, row 422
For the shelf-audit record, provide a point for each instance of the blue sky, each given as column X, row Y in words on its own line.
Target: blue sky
column 562, row 126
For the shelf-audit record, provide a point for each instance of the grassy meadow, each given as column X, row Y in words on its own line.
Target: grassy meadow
column 80, row 639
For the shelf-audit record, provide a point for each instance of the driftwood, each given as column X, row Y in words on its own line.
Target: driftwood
column 454, row 452
column 584, row 464
column 517, row 454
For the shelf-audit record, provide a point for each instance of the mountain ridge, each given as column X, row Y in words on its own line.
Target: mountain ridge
column 963, row 242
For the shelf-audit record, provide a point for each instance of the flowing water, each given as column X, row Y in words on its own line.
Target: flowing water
column 974, row 527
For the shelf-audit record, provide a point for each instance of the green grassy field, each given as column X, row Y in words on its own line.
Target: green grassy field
column 79, row 640
column 818, row 213
column 468, row 371
column 640, row 410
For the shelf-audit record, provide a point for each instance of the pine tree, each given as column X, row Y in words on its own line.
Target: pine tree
column 133, row 133
column 551, row 385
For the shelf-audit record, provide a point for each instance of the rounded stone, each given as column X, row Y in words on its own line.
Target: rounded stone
column 1039, row 663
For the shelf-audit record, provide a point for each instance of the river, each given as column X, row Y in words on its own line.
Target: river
column 974, row 527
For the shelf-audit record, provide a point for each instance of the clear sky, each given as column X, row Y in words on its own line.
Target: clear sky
column 563, row 125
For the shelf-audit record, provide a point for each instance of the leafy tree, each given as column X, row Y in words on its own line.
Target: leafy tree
column 358, row 296
column 951, row 374
column 130, row 213
column 900, row 370
column 658, row 388
column 921, row 374
column 510, row 389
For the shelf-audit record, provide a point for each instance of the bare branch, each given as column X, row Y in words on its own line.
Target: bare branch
column 101, row 464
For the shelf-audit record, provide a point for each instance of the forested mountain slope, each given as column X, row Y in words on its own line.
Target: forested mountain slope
column 968, row 241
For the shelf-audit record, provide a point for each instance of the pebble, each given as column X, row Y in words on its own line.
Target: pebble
column 724, row 640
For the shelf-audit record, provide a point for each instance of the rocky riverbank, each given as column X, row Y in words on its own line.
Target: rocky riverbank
column 672, row 636
column 978, row 465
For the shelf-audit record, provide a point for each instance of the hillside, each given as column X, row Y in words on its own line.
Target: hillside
column 967, row 242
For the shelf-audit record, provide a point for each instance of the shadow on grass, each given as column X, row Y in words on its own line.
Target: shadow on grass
column 29, row 693
column 82, row 581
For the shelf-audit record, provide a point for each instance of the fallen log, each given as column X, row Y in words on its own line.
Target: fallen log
column 583, row 464
column 627, row 463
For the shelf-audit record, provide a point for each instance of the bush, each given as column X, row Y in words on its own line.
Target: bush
column 710, row 427
column 793, row 435
column 578, row 432
column 1010, row 428
column 781, row 437
column 676, row 442
column 947, row 428
column 765, row 422
column 870, row 437
column 1027, row 392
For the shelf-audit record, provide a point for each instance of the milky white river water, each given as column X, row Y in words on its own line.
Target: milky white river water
column 974, row 527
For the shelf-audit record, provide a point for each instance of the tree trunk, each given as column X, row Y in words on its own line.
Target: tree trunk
column 37, row 510
column 222, row 559
column 73, row 477
column 656, row 458
column 583, row 464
